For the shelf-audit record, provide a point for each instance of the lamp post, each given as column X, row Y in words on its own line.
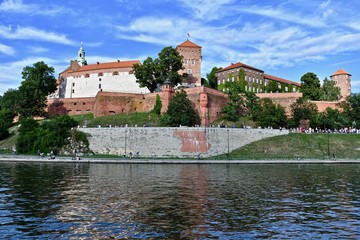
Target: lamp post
column 228, row 144
column 125, row 141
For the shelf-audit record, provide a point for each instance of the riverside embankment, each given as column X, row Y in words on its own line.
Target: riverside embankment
column 37, row 159
column 182, row 142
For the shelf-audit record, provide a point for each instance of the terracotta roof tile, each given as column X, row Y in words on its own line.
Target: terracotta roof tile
column 340, row 72
column 108, row 65
column 188, row 43
column 237, row 65
column 267, row 76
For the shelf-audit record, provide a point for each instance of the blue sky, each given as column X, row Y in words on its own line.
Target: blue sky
column 284, row 38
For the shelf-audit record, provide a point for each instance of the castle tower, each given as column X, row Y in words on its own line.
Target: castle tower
column 192, row 62
column 81, row 56
column 342, row 80
column 166, row 95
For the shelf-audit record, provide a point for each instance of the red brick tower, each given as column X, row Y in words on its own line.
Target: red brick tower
column 342, row 80
column 192, row 63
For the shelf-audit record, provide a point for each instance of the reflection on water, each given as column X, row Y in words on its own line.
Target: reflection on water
column 179, row 201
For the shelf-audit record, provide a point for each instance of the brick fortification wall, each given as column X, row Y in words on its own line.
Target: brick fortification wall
column 174, row 142
column 286, row 99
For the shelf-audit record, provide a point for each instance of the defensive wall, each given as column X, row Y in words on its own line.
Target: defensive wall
column 181, row 142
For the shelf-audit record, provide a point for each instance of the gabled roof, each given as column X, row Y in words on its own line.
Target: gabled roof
column 108, row 65
column 237, row 65
column 270, row 77
column 340, row 72
column 188, row 43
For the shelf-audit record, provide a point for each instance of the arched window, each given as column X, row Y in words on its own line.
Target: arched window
column 87, row 75
column 115, row 73
column 100, row 74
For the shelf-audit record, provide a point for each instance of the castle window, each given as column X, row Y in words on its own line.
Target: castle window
column 189, row 71
column 115, row 73
column 185, row 62
column 99, row 79
column 87, row 75
column 73, row 91
column 100, row 74
column 73, row 84
column 99, row 86
column 193, row 62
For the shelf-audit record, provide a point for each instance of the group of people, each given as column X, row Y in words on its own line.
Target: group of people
column 50, row 155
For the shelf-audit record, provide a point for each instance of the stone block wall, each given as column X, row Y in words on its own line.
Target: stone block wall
column 173, row 142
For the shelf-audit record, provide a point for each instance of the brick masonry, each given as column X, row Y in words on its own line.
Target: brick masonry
column 173, row 142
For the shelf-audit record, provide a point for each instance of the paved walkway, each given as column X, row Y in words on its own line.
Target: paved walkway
column 25, row 158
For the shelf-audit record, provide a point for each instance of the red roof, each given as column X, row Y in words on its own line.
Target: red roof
column 340, row 72
column 237, row 65
column 188, row 43
column 270, row 77
column 108, row 65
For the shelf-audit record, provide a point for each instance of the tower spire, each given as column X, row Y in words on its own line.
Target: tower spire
column 81, row 56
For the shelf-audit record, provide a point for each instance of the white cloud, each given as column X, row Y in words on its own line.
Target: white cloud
column 29, row 33
column 17, row 6
column 207, row 10
column 7, row 50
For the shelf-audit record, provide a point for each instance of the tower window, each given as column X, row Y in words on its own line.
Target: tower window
column 87, row 75
column 193, row 62
column 73, row 84
column 185, row 62
column 100, row 74
column 99, row 86
column 115, row 73
column 189, row 71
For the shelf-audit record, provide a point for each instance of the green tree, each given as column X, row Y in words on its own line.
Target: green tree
column 153, row 73
column 51, row 135
column 180, row 112
column 329, row 91
column 333, row 119
column 303, row 109
column 236, row 104
column 158, row 105
column 269, row 114
column 6, row 119
column 310, row 86
column 351, row 108
column 10, row 101
column 39, row 82
column 211, row 79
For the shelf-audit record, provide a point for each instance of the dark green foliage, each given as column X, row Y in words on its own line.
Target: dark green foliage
column 153, row 73
column 235, row 106
column 303, row 109
column 268, row 114
column 158, row 105
column 50, row 136
column 310, row 86
column 180, row 112
column 211, row 80
column 329, row 91
column 6, row 119
column 333, row 119
column 352, row 108
column 273, row 87
column 10, row 101
column 39, row 82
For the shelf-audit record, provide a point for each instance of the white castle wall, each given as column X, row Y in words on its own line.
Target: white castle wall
column 174, row 142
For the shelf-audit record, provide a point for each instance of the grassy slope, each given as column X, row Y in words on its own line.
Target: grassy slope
column 301, row 145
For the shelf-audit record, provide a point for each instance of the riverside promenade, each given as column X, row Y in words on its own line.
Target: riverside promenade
column 37, row 159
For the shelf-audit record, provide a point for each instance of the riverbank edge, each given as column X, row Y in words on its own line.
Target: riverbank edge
column 35, row 159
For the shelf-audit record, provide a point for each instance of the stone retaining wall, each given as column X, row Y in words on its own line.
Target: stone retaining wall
column 173, row 142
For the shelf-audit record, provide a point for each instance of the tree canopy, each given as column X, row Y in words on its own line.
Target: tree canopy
column 310, row 86
column 329, row 91
column 303, row 109
column 180, row 112
column 269, row 114
column 211, row 80
column 153, row 72
column 39, row 82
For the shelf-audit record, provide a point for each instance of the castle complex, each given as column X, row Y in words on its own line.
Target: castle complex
column 111, row 87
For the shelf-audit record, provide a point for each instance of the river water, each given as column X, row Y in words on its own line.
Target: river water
column 153, row 201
